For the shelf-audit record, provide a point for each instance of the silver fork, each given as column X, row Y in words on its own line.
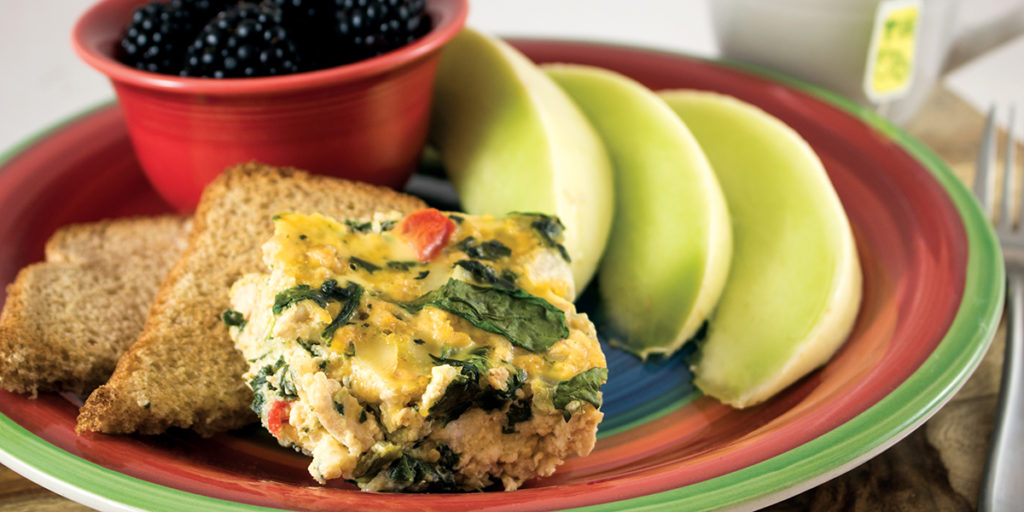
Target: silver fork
column 1002, row 486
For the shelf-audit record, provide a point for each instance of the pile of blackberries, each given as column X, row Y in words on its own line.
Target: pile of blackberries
column 232, row 39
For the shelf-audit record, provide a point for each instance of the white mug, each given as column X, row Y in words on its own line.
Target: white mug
column 830, row 43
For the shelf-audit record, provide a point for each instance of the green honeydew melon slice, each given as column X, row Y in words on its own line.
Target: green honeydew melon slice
column 794, row 288
column 511, row 140
column 669, row 251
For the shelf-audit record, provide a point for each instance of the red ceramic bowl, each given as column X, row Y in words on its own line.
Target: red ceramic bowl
column 365, row 121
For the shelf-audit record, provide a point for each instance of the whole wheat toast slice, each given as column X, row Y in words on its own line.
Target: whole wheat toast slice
column 184, row 370
column 68, row 319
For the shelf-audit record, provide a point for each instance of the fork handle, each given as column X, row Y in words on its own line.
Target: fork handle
column 1002, row 486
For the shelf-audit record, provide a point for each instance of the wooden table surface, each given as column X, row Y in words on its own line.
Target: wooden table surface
column 936, row 469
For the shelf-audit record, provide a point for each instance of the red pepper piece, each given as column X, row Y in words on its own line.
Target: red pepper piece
column 278, row 415
column 427, row 231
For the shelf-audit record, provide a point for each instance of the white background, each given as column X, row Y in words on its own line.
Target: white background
column 43, row 82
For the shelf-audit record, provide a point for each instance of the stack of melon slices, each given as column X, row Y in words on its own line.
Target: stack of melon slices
column 691, row 206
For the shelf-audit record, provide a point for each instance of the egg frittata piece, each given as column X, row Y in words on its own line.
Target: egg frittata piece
column 434, row 352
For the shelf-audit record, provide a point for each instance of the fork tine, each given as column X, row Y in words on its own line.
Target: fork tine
column 1006, row 219
column 984, row 178
column 1012, row 158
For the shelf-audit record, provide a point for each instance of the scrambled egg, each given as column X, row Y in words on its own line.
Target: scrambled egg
column 435, row 352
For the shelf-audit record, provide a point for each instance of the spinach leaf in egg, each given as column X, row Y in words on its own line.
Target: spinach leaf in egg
column 485, row 274
column 518, row 412
column 355, row 262
column 286, row 388
column 486, row 250
column 550, row 229
column 472, row 367
column 377, row 458
column 355, row 226
column 350, row 297
column 417, row 475
column 460, row 395
column 402, row 265
column 260, row 385
column 233, row 318
column 470, row 387
column 527, row 321
column 329, row 291
column 585, row 386
column 285, row 299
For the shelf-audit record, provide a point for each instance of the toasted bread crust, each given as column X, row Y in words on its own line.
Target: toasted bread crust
column 184, row 370
column 67, row 320
column 116, row 240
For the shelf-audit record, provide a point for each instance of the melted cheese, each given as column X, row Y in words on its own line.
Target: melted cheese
column 312, row 248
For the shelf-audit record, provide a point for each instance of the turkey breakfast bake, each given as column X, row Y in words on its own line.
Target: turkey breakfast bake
column 433, row 352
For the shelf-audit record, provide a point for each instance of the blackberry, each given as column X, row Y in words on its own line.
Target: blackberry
column 311, row 22
column 246, row 40
column 160, row 32
column 366, row 28
column 334, row 32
